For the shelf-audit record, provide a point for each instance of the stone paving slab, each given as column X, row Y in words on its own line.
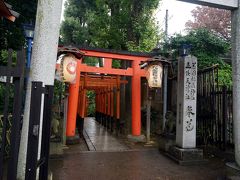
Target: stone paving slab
column 98, row 137
column 112, row 160
column 132, row 165
column 76, row 148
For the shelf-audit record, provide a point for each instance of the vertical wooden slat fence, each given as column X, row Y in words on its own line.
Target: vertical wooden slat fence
column 214, row 115
column 214, row 109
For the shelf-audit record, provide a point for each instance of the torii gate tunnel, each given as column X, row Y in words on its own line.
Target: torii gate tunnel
column 103, row 80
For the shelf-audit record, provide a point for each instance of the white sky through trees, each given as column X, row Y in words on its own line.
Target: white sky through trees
column 63, row 10
column 179, row 14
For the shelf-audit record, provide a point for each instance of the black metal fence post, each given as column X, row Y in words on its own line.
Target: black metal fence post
column 46, row 130
column 224, row 115
column 33, row 133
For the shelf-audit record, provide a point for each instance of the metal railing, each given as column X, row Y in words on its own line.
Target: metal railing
column 33, row 163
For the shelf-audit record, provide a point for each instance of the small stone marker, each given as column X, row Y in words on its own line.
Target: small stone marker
column 186, row 105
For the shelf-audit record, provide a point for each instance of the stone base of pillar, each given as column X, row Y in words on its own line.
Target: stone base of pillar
column 165, row 142
column 56, row 150
column 233, row 170
column 140, row 138
column 72, row 140
column 191, row 156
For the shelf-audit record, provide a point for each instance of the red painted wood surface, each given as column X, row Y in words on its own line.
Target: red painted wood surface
column 103, row 82
column 73, row 104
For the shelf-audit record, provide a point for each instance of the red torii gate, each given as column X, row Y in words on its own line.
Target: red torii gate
column 105, row 87
column 134, row 71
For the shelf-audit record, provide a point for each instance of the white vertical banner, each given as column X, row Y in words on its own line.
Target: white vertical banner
column 186, row 102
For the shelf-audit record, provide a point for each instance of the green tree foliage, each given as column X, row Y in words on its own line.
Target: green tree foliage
column 11, row 33
column 207, row 47
column 4, row 58
column 113, row 24
column 91, row 103
column 3, row 91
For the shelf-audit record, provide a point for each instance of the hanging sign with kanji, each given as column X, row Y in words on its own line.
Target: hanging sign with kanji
column 154, row 75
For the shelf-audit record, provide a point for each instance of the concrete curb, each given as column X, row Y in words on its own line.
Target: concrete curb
column 89, row 143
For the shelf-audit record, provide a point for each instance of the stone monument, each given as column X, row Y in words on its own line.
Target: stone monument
column 185, row 151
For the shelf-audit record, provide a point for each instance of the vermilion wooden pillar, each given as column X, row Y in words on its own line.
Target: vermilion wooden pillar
column 79, row 102
column 112, row 102
column 73, row 104
column 101, row 101
column 136, row 99
column 118, row 97
column 109, row 101
column 96, row 100
column 83, row 104
column 105, row 102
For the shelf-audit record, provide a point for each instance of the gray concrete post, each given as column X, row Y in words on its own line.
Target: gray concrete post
column 165, row 81
column 148, row 120
column 236, row 80
column 65, row 120
column 43, row 62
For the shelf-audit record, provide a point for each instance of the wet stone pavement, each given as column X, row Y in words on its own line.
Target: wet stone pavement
column 113, row 160
column 100, row 139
